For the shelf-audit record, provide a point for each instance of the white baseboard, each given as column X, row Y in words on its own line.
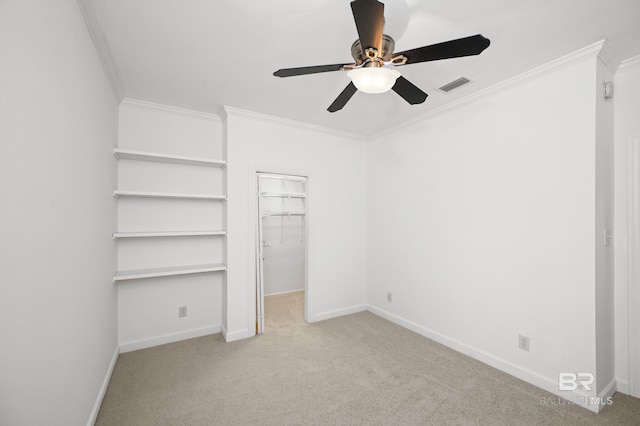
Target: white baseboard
column 548, row 384
column 169, row 338
column 339, row 312
column 591, row 403
column 622, row 386
column 607, row 393
column 236, row 335
column 103, row 389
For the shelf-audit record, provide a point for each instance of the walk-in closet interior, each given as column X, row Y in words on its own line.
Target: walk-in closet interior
column 281, row 248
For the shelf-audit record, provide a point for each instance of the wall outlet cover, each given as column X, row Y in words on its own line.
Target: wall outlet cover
column 523, row 342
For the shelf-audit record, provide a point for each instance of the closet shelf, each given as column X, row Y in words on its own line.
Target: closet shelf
column 125, row 154
column 166, row 272
column 283, row 194
column 167, row 234
column 283, row 213
column 145, row 194
column 285, row 178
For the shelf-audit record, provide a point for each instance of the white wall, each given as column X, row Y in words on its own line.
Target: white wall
column 336, row 190
column 148, row 308
column 58, row 125
column 482, row 225
column 627, row 111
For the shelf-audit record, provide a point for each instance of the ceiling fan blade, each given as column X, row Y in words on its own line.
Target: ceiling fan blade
column 290, row 72
column 409, row 91
column 369, row 18
column 468, row 46
column 343, row 98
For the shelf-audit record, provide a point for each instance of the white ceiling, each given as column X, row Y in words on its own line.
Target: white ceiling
column 203, row 54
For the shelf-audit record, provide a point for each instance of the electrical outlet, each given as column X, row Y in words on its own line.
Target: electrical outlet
column 182, row 311
column 523, row 342
column 389, row 297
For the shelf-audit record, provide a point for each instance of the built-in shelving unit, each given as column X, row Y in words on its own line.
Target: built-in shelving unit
column 146, row 194
column 167, row 271
column 124, row 154
column 168, row 234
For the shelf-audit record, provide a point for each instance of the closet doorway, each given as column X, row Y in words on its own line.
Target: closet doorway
column 281, row 248
column 633, row 262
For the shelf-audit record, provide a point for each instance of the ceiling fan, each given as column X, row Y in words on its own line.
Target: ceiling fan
column 373, row 70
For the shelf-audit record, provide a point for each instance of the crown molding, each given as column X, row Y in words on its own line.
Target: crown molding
column 169, row 108
column 228, row 111
column 629, row 64
column 591, row 51
column 609, row 58
column 102, row 47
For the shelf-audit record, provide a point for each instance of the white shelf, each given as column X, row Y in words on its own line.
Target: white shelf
column 284, row 194
column 167, row 234
column 145, row 194
column 286, row 178
column 167, row 272
column 284, row 213
column 125, row 154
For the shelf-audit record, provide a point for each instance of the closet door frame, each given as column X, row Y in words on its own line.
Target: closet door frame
column 633, row 262
column 257, row 298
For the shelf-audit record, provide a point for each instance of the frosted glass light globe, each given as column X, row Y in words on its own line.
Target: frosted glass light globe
column 373, row 80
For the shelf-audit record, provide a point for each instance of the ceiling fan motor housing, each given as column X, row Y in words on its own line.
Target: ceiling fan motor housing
column 360, row 56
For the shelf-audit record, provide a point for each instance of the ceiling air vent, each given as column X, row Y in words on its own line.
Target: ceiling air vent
column 455, row 84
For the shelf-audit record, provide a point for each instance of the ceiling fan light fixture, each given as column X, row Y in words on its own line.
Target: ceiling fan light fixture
column 373, row 79
column 375, row 57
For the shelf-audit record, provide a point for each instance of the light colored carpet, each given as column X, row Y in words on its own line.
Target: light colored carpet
column 283, row 311
column 357, row 369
